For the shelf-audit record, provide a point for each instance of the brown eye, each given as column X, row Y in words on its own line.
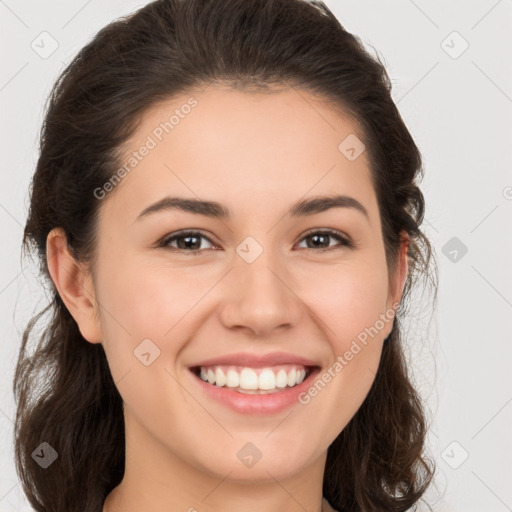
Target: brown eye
column 190, row 241
column 187, row 241
column 320, row 237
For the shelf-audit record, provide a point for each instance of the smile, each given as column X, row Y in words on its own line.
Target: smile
column 254, row 391
column 254, row 380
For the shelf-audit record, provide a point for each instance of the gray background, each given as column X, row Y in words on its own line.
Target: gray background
column 457, row 103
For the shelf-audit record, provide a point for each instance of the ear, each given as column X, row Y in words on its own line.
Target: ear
column 401, row 271
column 400, row 275
column 74, row 285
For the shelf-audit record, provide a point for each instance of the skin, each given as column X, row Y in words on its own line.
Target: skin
column 257, row 154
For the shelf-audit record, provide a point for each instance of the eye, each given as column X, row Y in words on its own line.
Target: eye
column 185, row 240
column 190, row 241
column 322, row 235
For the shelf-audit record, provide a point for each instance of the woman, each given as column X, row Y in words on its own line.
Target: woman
column 226, row 207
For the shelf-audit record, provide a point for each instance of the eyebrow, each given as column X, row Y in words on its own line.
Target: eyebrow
column 213, row 209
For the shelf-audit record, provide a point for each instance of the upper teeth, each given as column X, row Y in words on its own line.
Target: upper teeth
column 252, row 378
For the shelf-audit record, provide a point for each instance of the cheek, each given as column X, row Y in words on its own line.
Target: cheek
column 140, row 321
column 147, row 301
column 349, row 302
column 134, row 306
column 355, row 333
column 351, row 306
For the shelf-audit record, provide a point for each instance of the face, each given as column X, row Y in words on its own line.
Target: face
column 173, row 288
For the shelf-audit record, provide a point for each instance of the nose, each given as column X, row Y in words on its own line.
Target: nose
column 259, row 297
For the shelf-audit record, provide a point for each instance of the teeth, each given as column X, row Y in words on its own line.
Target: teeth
column 267, row 379
column 220, row 378
column 232, row 379
column 249, row 379
column 292, row 377
column 281, row 379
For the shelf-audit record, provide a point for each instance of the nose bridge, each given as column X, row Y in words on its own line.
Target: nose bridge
column 261, row 299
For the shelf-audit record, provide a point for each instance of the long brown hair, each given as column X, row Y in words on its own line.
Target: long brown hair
column 64, row 390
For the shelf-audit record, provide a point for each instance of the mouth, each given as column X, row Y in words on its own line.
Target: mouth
column 255, row 381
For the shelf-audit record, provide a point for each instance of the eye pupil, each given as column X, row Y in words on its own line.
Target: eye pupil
column 315, row 237
column 187, row 244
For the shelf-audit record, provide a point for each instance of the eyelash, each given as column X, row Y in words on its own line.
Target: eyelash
column 344, row 241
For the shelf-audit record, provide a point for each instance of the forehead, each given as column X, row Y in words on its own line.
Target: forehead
column 241, row 148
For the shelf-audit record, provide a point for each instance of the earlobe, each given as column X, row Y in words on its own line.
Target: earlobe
column 73, row 284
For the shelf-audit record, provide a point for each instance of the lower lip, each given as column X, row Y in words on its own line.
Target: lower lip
column 263, row 404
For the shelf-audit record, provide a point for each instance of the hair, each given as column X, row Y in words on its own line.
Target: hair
column 64, row 390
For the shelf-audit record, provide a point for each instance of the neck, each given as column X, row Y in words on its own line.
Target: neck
column 157, row 479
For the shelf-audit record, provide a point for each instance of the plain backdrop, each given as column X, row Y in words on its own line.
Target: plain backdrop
column 451, row 69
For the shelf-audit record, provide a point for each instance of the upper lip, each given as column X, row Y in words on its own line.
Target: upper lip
column 256, row 360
